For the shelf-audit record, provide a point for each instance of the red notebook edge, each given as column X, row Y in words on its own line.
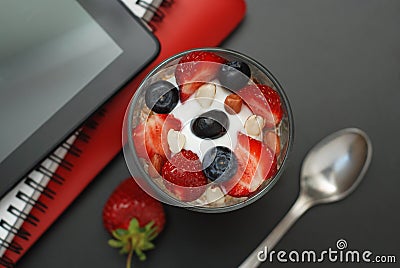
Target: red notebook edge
column 104, row 142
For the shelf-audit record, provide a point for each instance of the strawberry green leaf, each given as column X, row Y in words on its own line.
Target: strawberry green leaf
column 140, row 254
column 149, row 226
column 133, row 225
column 125, row 249
column 148, row 245
column 115, row 243
column 134, row 240
column 119, row 233
column 152, row 234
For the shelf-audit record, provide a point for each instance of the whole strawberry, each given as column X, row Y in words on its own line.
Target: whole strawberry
column 133, row 218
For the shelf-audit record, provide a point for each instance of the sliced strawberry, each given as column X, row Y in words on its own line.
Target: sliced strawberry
column 184, row 176
column 150, row 136
column 273, row 142
column 195, row 69
column 256, row 165
column 263, row 101
column 155, row 165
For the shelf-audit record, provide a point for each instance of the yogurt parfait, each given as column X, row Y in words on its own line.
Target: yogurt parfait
column 208, row 129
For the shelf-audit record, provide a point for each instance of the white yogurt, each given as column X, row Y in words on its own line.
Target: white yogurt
column 185, row 112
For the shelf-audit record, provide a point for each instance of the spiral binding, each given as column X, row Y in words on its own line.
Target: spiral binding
column 158, row 14
column 6, row 262
column 23, row 216
column 45, row 191
column 14, row 247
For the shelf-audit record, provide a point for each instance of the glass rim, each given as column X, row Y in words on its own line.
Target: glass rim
column 183, row 204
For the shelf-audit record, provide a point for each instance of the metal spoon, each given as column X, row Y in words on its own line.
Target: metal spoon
column 330, row 172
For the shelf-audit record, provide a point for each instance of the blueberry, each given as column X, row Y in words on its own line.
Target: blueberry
column 161, row 97
column 234, row 75
column 219, row 163
column 210, row 125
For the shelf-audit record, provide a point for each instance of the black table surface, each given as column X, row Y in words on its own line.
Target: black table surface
column 339, row 62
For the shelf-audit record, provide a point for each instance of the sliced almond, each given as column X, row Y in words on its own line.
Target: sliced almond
column 233, row 104
column 157, row 162
column 214, row 194
column 272, row 140
column 254, row 124
column 205, row 95
column 176, row 141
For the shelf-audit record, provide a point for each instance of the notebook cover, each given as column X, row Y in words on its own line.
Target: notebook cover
column 183, row 27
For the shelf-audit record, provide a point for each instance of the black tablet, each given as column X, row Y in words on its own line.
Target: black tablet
column 59, row 61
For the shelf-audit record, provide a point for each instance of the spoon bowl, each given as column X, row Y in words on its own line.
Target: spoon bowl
column 331, row 170
column 335, row 166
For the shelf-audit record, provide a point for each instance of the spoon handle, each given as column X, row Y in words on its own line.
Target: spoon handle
column 301, row 205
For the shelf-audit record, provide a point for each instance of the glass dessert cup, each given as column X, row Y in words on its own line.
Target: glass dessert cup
column 208, row 129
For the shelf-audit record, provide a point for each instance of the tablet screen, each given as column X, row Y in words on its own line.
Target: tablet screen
column 43, row 65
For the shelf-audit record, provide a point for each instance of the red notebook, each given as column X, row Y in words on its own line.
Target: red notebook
column 184, row 25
